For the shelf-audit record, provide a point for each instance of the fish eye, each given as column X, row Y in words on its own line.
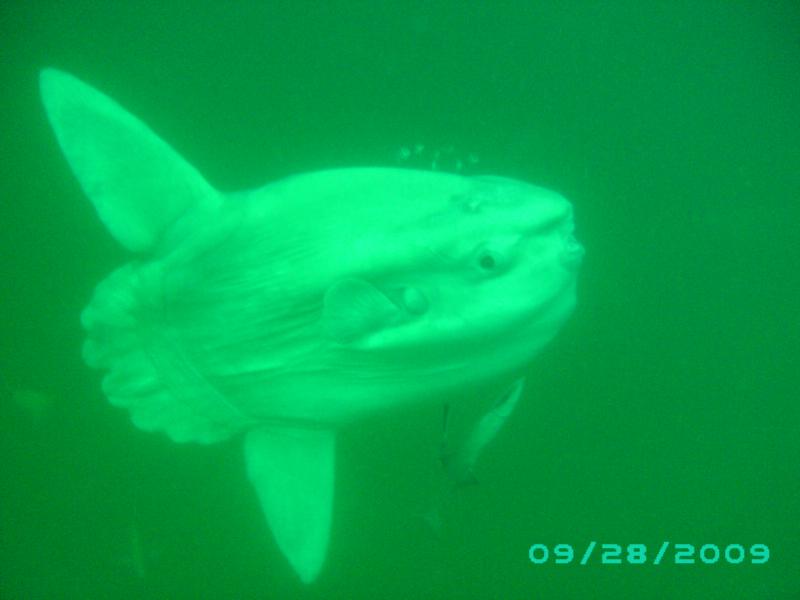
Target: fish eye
column 495, row 256
column 487, row 261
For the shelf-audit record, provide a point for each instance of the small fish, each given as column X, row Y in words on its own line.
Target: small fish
column 138, row 552
column 459, row 462
column 284, row 313
column 459, row 458
column 134, row 558
column 37, row 405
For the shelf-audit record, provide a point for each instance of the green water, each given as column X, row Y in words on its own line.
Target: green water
column 664, row 411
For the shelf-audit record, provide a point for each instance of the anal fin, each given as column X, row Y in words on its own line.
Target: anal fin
column 292, row 470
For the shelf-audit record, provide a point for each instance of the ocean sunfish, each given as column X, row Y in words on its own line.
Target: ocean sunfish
column 281, row 314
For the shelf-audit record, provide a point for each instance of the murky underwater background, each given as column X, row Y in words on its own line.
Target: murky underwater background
column 666, row 410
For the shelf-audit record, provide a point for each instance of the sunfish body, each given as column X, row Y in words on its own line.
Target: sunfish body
column 283, row 313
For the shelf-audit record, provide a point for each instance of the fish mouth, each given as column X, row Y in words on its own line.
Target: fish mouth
column 572, row 253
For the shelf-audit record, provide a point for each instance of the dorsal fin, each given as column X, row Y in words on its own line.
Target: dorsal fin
column 138, row 184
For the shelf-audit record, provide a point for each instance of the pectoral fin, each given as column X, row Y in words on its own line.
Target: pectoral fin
column 354, row 308
column 292, row 470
